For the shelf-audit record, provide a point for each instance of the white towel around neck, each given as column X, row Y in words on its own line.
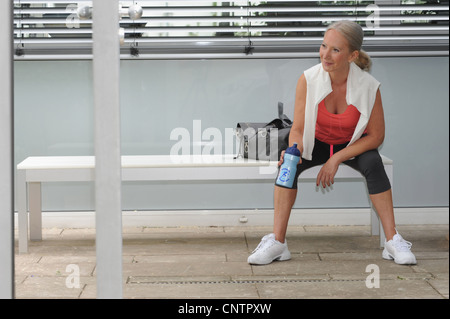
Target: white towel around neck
column 361, row 92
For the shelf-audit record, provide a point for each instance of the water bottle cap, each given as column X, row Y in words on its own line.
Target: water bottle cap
column 293, row 150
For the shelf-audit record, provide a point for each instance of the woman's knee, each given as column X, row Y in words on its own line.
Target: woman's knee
column 370, row 161
column 371, row 166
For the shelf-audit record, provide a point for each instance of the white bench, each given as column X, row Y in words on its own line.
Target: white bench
column 36, row 170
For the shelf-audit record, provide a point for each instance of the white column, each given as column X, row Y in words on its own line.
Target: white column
column 106, row 50
column 6, row 152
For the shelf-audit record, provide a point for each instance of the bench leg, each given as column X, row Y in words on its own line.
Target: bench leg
column 35, row 211
column 374, row 222
column 22, row 211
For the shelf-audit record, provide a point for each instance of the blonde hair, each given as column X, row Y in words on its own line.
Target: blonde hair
column 354, row 35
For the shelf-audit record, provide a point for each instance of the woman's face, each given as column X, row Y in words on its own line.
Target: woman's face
column 334, row 52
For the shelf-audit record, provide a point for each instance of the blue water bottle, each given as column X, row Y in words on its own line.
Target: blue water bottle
column 289, row 167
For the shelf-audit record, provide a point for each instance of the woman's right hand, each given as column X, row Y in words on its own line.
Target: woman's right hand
column 280, row 162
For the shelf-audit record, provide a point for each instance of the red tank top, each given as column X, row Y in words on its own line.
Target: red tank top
column 336, row 128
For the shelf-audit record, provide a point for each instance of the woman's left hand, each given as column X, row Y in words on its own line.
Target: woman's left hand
column 327, row 173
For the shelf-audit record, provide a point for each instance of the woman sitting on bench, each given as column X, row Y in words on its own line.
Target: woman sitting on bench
column 338, row 118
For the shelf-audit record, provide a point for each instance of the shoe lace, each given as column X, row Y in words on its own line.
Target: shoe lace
column 263, row 242
column 402, row 245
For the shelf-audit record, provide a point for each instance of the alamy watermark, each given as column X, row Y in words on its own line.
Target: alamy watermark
column 205, row 143
column 373, row 19
column 210, row 144
column 73, row 279
column 373, row 279
column 72, row 20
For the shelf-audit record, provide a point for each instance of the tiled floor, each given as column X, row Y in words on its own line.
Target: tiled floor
column 202, row 262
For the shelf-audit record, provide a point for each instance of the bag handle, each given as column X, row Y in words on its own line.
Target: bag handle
column 283, row 117
column 280, row 109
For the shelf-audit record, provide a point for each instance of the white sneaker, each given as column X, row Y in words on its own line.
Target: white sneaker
column 399, row 250
column 269, row 250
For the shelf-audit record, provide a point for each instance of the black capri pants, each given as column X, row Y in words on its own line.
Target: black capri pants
column 369, row 164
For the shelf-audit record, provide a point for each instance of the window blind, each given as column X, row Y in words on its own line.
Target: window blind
column 232, row 29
